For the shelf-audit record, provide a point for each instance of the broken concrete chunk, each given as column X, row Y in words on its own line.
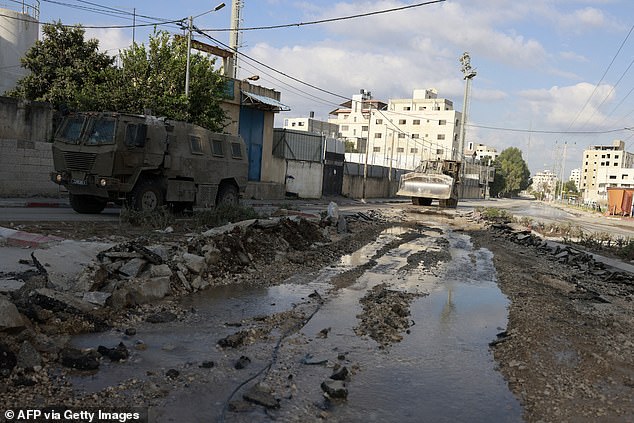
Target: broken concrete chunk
column 10, row 285
column 260, row 395
column 194, row 262
column 152, row 289
column 59, row 301
column 28, row 357
column 96, row 297
column 133, row 267
column 10, row 317
column 334, row 388
column 199, row 283
column 160, row 270
column 80, row 360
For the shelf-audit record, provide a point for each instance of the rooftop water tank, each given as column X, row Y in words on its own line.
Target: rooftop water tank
column 19, row 28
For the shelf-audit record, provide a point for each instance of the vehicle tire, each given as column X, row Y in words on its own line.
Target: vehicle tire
column 421, row 201
column 147, row 195
column 227, row 195
column 87, row 204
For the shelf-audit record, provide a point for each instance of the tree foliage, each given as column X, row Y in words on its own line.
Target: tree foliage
column 511, row 173
column 60, row 65
column 148, row 77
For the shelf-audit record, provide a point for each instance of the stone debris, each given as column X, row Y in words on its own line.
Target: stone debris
column 334, row 388
column 242, row 362
column 261, row 394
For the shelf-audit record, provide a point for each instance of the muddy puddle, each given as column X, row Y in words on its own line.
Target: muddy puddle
column 441, row 370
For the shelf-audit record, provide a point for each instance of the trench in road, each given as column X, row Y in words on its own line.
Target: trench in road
column 441, row 371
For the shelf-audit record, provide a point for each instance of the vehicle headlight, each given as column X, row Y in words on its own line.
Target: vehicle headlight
column 103, row 182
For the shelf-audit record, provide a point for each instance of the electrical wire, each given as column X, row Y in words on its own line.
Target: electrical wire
column 321, row 21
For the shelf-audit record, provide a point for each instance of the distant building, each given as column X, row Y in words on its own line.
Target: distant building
column 312, row 125
column 479, row 151
column 544, row 183
column 19, row 30
column 401, row 132
column 605, row 166
column 575, row 176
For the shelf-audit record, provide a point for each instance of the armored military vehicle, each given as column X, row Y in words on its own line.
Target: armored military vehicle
column 146, row 162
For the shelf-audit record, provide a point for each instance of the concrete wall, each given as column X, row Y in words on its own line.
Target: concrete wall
column 25, row 153
column 24, row 169
column 304, row 178
column 374, row 188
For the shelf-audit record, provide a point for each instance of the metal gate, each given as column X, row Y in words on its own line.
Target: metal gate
column 333, row 174
column 252, row 131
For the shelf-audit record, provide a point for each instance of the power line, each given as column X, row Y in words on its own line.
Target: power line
column 538, row 131
column 321, row 21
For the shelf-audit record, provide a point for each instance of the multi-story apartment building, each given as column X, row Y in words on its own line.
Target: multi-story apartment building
column 605, row 166
column 312, row 125
column 544, row 182
column 403, row 131
column 480, row 151
column 575, row 176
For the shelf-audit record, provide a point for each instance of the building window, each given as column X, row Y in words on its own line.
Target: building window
column 616, row 164
column 355, row 119
column 623, row 176
column 376, row 149
column 441, row 136
column 416, row 122
column 400, row 150
column 364, row 128
column 402, row 121
column 379, row 121
column 378, row 135
column 442, row 122
column 603, row 156
column 407, row 108
column 401, row 135
column 300, row 123
column 413, row 150
column 612, row 176
column 415, row 136
column 345, row 128
column 439, row 151
column 607, row 156
column 602, row 163
column 616, row 156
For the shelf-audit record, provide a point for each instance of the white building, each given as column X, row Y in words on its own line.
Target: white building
column 312, row 125
column 19, row 30
column 480, row 152
column 575, row 176
column 605, row 166
column 403, row 131
column 544, row 182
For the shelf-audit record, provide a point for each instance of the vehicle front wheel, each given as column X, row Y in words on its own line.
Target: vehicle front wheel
column 87, row 204
column 147, row 196
column 227, row 195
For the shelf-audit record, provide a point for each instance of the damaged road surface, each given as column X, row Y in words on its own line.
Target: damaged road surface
column 390, row 316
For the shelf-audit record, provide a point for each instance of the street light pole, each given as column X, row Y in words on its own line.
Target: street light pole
column 190, row 28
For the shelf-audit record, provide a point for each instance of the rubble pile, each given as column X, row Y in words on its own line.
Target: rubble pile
column 385, row 314
column 132, row 273
column 621, row 283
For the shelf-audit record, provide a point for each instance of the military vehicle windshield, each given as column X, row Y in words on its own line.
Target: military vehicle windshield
column 71, row 129
column 101, row 132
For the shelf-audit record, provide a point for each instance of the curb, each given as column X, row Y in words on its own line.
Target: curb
column 23, row 239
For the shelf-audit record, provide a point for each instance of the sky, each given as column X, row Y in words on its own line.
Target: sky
column 553, row 76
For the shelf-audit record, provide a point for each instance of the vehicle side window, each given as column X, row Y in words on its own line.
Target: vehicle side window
column 195, row 144
column 236, row 150
column 216, row 148
column 135, row 135
column 71, row 129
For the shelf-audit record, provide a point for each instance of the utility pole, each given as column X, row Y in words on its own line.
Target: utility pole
column 189, row 47
column 469, row 74
column 234, row 39
column 563, row 172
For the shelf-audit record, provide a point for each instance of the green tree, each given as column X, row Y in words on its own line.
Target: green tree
column 153, row 78
column 60, row 65
column 511, row 173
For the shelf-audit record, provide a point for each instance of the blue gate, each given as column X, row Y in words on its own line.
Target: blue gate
column 252, row 131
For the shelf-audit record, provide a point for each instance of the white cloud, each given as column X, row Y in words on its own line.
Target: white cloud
column 563, row 107
column 111, row 40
